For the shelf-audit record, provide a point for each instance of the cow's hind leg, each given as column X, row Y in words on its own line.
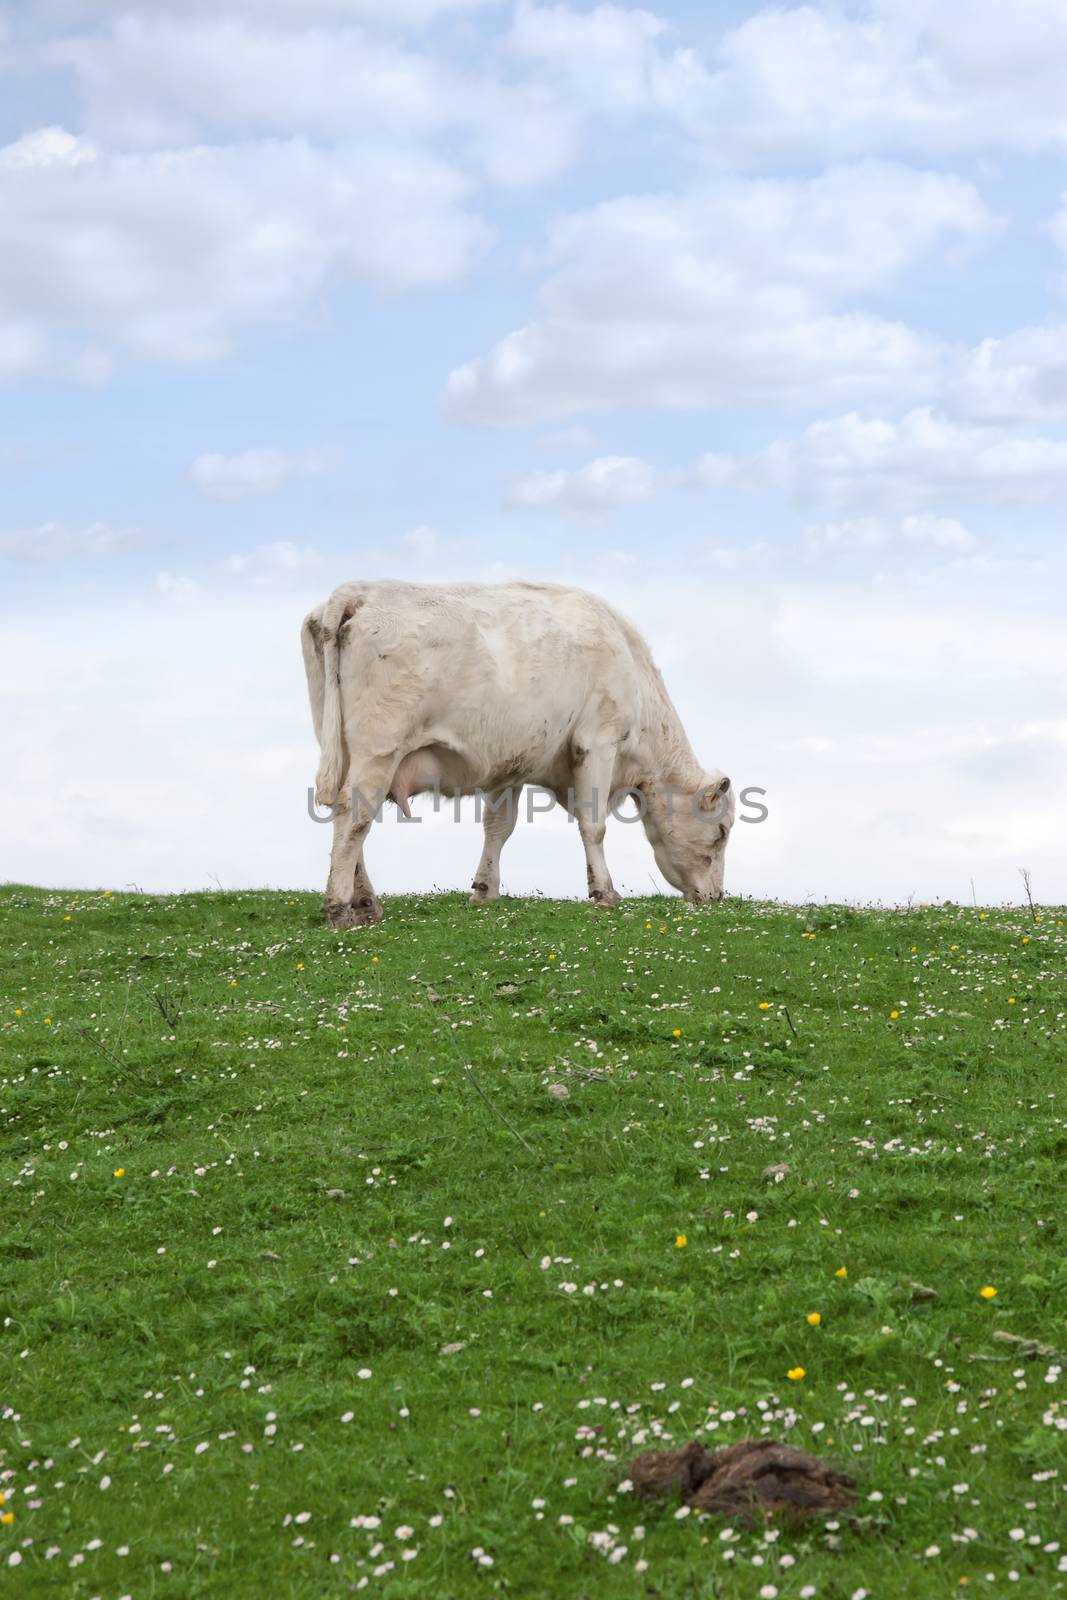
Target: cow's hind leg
column 350, row 898
column 500, row 816
column 588, row 803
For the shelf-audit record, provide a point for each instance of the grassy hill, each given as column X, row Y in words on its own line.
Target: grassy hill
column 367, row 1261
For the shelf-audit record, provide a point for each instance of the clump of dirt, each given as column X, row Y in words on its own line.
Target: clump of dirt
column 659, row 1473
column 752, row 1481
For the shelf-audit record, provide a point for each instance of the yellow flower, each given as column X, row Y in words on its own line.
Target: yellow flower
column 1026, row 938
column 48, row 1022
column 18, row 1011
column 765, row 1005
column 988, row 1292
column 842, row 1272
column 894, row 1015
column 676, row 1033
column 813, row 1319
column 233, row 983
column 7, row 1518
column 981, row 916
column 119, row 1172
column 107, row 894
column 796, row 1373
column 648, row 926
column 300, row 966
column 66, row 919
column 680, row 1241
column 375, row 959
column 1011, row 999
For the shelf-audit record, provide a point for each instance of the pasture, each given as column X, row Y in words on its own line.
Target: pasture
column 365, row 1262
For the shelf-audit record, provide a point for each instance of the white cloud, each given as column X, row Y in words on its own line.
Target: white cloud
column 797, row 84
column 423, row 541
column 171, row 80
column 53, row 541
column 253, row 471
column 174, row 254
column 297, row 13
column 274, row 565
column 601, row 485
column 45, row 148
column 1001, row 569
column 739, row 558
column 806, row 83
column 736, row 292
column 803, row 84
column 893, row 463
column 305, row 574
column 398, row 13
column 606, row 60
column 865, row 535
column 1020, row 377
column 175, row 585
column 424, row 554
column 846, row 638
column 165, row 81
column 32, row 350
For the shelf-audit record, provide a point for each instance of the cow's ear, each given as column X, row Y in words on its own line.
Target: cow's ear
column 711, row 797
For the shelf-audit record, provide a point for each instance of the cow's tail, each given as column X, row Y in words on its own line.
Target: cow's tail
column 320, row 637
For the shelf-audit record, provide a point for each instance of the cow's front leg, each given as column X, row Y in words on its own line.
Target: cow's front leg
column 588, row 802
column 500, row 816
column 350, row 898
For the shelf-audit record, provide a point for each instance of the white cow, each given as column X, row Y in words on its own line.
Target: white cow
column 482, row 688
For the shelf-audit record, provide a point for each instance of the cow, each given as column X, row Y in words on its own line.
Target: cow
column 479, row 689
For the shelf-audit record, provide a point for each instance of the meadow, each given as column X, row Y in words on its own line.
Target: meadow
column 366, row 1262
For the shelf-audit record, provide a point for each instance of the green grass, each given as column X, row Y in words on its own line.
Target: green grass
column 317, row 1198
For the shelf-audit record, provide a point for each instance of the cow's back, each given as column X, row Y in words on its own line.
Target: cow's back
column 514, row 628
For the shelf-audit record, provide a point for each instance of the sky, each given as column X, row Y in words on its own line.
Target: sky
column 752, row 320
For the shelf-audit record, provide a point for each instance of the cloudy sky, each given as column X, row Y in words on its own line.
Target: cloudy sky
column 753, row 320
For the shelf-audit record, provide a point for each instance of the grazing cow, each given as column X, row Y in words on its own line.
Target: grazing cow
column 482, row 688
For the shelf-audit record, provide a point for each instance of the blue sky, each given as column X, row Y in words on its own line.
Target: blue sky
column 753, row 320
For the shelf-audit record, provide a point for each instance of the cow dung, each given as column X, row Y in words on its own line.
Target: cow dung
column 753, row 1481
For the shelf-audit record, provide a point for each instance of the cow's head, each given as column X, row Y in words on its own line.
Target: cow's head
column 689, row 832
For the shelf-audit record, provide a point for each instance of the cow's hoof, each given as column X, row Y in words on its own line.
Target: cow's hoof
column 604, row 899
column 483, row 895
column 361, row 914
